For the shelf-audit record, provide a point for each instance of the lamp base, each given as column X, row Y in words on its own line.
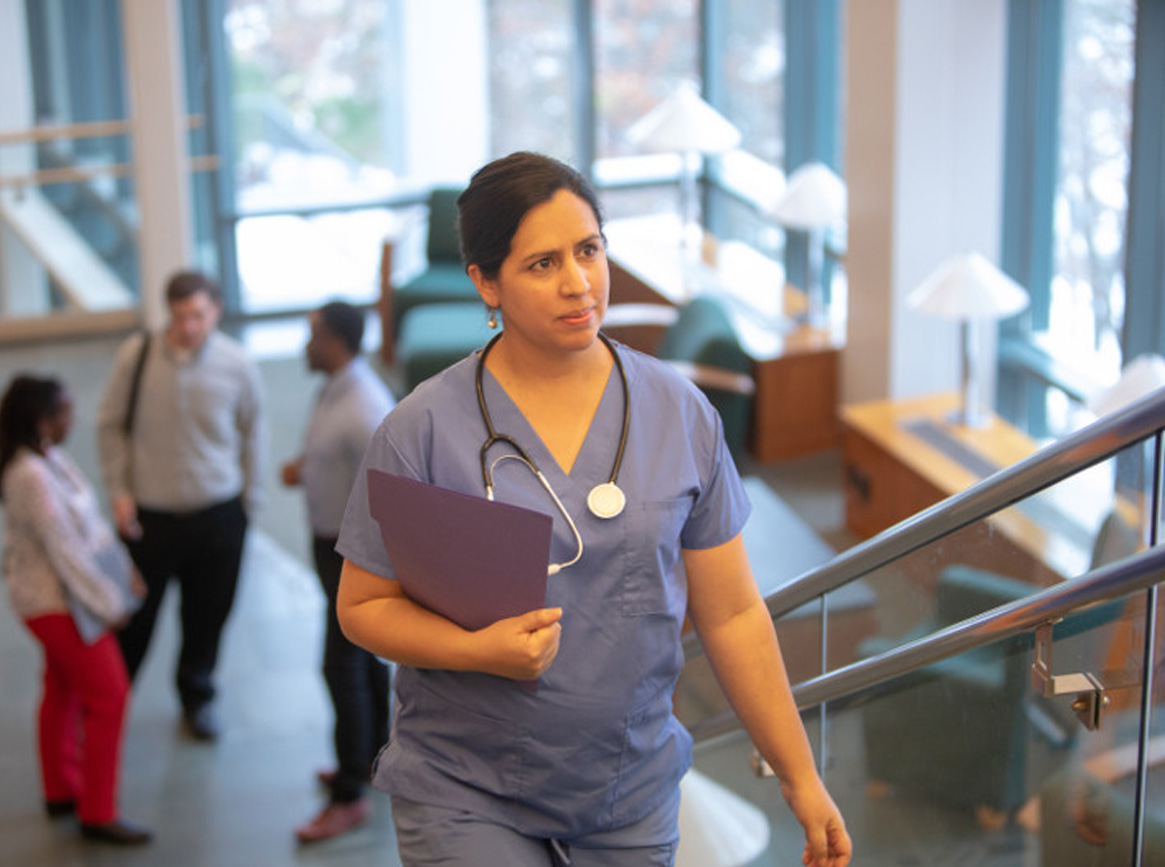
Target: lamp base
column 969, row 417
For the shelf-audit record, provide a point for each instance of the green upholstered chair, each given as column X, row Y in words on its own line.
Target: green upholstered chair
column 703, row 345
column 434, row 336
column 956, row 732
column 971, row 731
column 443, row 281
column 700, row 342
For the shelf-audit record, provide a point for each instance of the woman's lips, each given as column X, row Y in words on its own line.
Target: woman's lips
column 578, row 317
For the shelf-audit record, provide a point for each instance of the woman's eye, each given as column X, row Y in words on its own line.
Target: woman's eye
column 541, row 264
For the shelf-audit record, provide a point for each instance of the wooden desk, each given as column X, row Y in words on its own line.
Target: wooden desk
column 796, row 366
column 892, row 472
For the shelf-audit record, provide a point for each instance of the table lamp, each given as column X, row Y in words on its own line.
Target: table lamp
column 814, row 202
column 968, row 289
column 686, row 124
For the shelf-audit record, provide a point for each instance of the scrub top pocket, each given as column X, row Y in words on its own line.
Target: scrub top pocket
column 461, row 741
column 652, row 540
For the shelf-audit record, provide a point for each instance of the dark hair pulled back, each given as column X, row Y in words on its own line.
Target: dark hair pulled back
column 27, row 401
column 501, row 193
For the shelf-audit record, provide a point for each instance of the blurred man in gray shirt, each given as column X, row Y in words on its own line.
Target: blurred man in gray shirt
column 351, row 405
column 180, row 429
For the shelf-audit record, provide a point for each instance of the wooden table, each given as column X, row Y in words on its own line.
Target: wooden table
column 796, row 366
column 902, row 456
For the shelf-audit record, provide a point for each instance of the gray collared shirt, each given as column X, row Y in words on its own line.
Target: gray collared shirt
column 198, row 430
column 351, row 405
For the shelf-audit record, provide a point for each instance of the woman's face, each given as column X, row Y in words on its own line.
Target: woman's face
column 553, row 286
column 56, row 426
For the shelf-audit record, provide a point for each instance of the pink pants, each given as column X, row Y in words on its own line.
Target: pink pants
column 82, row 714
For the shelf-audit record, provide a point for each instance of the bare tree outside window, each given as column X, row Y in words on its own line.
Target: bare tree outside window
column 1091, row 201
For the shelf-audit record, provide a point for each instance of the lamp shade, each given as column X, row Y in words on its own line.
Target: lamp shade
column 685, row 123
column 814, row 198
column 1141, row 376
column 968, row 287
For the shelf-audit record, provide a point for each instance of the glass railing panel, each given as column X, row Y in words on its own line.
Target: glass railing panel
column 966, row 757
column 731, row 815
column 1090, row 519
column 1154, row 827
column 1082, row 811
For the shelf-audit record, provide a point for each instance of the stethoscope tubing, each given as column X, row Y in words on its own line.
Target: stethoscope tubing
column 604, row 501
column 493, row 437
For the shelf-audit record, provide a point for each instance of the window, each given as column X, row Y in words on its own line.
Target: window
column 1087, row 294
column 643, row 51
column 313, row 139
column 310, row 110
column 531, row 77
column 1071, row 80
column 77, row 77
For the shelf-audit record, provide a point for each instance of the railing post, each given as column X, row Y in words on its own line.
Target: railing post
column 1149, row 654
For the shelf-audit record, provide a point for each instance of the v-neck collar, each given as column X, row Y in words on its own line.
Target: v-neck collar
column 597, row 452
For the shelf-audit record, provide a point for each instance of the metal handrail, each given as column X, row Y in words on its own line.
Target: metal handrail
column 1105, row 584
column 74, row 175
column 87, row 129
column 1053, row 463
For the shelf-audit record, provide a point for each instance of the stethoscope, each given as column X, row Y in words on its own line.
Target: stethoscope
column 605, row 500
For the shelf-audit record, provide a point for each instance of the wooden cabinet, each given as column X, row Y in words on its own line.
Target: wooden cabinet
column 796, row 367
column 896, row 463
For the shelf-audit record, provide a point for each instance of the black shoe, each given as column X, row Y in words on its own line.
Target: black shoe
column 60, row 809
column 202, row 723
column 120, row 832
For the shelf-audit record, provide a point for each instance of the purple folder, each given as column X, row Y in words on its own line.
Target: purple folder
column 472, row 560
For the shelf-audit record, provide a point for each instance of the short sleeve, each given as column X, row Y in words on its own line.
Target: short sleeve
column 722, row 506
column 360, row 540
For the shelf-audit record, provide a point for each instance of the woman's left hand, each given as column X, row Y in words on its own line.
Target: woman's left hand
column 827, row 843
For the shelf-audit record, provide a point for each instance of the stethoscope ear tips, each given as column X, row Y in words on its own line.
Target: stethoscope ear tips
column 606, row 500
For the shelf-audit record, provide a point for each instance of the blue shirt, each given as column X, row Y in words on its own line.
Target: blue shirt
column 351, row 404
column 596, row 747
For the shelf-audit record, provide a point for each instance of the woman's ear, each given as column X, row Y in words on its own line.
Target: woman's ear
column 486, row 288
column 44, row 430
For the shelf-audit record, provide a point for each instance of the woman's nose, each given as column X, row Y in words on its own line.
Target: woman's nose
column 574, row 278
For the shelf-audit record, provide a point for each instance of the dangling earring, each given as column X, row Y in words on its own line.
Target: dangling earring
column 493, row 319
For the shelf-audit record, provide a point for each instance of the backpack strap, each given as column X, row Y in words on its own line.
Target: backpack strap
column 135, row 385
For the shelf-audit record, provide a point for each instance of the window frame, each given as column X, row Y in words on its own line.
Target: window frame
column 1035, row 44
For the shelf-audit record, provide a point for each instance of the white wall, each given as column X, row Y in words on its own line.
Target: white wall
column 925, row 163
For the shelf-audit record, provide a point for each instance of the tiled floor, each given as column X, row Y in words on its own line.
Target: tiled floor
column 237, row 801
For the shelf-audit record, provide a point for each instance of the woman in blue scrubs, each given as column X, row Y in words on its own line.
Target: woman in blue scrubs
column 586, row 768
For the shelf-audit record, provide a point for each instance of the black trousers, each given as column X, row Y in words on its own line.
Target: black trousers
column 202, row 551
column 358, row 684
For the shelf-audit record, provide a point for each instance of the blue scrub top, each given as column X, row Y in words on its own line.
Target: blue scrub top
column 596, row 747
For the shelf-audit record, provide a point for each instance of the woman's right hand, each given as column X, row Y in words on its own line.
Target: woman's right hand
column 521, row 647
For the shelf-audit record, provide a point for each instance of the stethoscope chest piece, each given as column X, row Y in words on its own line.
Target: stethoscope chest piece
column 606, row 500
